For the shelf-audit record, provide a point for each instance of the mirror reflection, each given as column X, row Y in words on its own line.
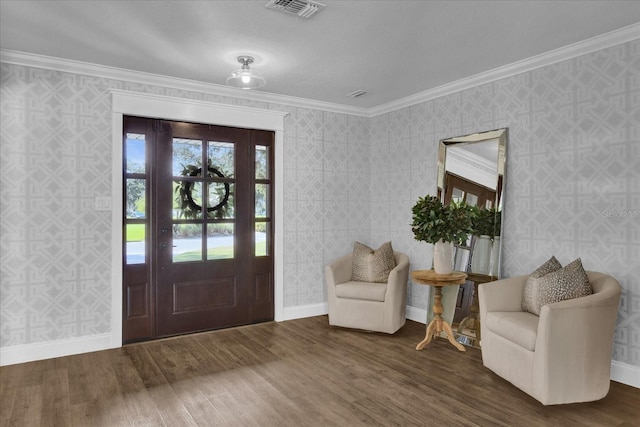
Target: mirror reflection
column 471, row 169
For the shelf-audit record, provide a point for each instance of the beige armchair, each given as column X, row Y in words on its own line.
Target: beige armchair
column 562, row 356
column 377, row 307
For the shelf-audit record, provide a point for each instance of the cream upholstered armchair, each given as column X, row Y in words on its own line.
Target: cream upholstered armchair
column 561, row 356
column 379, row 307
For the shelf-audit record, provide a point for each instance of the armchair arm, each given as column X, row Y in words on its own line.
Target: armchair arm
column 398, row 278
column 574, row 344
column 339, row 271
column 501, row 295
column 395, row 300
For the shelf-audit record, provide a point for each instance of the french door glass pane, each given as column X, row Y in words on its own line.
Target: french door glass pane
column 472, row 199
column 457, row 195
column 135, row 153
column 187, row 156
column 262, row 162
column 262, row 237
column 187, row 242
column 187, row 203
column 220, row 241
column 135, row 235
column 220, row 200
column 221, row 158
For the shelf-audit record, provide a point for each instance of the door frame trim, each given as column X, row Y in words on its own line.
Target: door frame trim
column 181, row 109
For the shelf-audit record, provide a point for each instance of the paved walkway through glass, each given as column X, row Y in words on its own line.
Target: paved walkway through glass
column 135, row 250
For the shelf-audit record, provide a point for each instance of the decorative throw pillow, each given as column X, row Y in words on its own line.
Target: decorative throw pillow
column 567, row 283
column 372, row 266
column 530, row 295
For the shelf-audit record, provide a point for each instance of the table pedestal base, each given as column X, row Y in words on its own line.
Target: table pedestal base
column 438, row 324
column 433, row 330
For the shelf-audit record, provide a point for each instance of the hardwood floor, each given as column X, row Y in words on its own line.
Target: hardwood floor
column 296, row 373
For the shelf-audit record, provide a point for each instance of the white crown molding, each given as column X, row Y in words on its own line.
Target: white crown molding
column 616, row 37
column 613, row 38
column 114, row 73
column 472, row 167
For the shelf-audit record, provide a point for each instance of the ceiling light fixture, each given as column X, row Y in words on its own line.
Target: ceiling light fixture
column 246, row 78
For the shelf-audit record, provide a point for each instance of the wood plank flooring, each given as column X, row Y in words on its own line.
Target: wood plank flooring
column 297, row 373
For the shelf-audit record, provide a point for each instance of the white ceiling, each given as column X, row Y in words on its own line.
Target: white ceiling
column 391, row 49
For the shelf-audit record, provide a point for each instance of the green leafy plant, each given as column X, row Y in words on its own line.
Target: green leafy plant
column 433, row 221
column 486, row 222
column 189, row 204
column 497, row 225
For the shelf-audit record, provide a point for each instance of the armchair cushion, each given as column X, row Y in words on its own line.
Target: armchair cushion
column 372, row 265
column 362, row 290
column 563, row 284
column 516, row 326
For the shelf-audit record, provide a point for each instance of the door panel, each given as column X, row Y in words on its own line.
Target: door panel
column 209, row 245
column 137, row 303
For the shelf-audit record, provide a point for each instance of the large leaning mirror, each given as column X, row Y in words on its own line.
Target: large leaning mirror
column 471, row 168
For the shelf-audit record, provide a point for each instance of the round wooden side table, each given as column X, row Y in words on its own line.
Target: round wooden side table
column 438, row 324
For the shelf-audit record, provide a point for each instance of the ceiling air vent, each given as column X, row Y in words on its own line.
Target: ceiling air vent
column 356, row 93
column 302, row 8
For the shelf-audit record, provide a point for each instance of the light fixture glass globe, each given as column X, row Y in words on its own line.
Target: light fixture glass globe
column 246, row 78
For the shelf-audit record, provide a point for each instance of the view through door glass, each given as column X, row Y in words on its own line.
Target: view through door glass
column 198, row 227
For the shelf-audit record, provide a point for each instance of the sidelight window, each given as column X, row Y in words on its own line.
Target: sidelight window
column 262, row 201
column 135, row 196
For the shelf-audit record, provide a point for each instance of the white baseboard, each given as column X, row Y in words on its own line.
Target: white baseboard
column 620, row 372
column 625, row 374
column 47, row 350
column 417, row 314
column 302, row 311
column 24, row 353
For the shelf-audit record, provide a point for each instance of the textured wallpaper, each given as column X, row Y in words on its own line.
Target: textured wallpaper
column 573, row 171
column 55, row 157
column 572, row 185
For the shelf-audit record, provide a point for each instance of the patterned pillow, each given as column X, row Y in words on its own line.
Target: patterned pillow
column 372, row 266
column 566, row 283
column 530, row 295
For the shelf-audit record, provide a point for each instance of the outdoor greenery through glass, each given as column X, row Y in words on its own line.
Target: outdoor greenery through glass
column 203, row 193
column 186, row 158
column 135, row 196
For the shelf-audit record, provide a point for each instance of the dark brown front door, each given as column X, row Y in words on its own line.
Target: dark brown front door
column 463, row 190
column 207, row 219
